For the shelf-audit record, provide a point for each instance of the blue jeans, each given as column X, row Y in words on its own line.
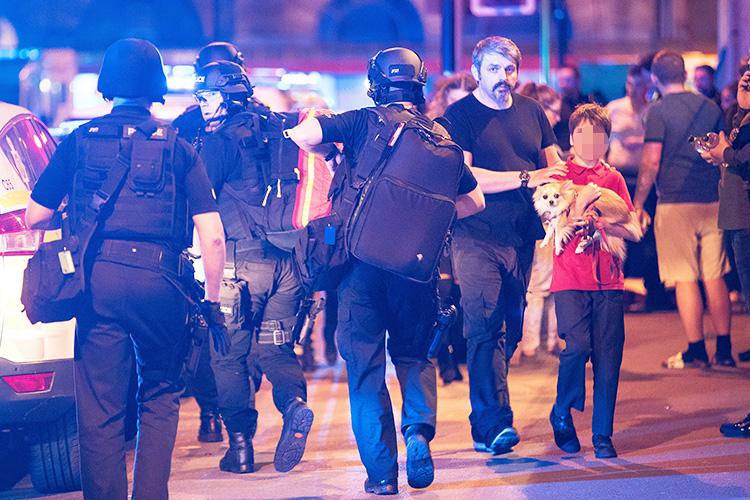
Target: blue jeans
column 740, row 239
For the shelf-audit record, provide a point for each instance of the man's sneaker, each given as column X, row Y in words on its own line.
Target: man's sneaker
column 723, row 360
column 210, row 429
column 504, row 441
column 681, row 360
column 481, row 447
column 565, row 432
column 603, row 447
column 385, row 487
column 298, row 419
column 744, row 355
column 739, row 429
column 420, row 470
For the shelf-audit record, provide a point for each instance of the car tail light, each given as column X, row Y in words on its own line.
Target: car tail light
column 33, row 382
column 15, row 237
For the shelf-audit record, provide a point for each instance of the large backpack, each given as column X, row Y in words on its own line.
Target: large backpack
column 295, row 183
column 393, row 210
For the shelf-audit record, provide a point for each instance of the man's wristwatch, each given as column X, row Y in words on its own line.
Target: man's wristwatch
column 525, row 177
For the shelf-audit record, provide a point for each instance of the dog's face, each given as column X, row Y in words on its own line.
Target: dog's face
column 554, row 198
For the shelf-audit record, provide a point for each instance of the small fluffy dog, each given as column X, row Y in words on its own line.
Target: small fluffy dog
column 564, row 204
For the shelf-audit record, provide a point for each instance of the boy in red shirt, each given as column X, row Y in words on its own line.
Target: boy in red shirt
column 588, row 292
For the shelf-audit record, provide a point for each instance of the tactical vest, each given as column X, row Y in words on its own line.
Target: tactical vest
column 149, row 207
column 254, row 202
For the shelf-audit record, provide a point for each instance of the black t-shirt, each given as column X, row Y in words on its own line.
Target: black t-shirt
column 510, row 139
column 351, row 129
column 56, row 181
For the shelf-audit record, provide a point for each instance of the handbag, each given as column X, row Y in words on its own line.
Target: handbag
column 54, row 279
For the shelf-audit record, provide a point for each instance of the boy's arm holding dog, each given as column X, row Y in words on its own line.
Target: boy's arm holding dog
column 630, row 230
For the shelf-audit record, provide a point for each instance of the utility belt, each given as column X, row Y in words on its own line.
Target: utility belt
column 145, row 255
column 273, row 332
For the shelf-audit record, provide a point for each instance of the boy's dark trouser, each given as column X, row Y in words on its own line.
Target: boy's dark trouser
column 592, row 325
column 493, row 290
column 372, row 301
column 118, row 317
column 265, row 289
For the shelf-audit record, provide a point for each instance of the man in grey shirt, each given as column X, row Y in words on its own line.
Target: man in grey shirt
column 689, row 243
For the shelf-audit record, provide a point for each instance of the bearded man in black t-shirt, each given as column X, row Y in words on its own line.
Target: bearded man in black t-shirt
column 505, row 138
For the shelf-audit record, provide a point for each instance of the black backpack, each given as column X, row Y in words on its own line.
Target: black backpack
column 394, row 210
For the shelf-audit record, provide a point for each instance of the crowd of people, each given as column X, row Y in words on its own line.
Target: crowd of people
column 533, row 253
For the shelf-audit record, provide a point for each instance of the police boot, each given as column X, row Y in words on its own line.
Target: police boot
column 210, row 429
column 239, row 457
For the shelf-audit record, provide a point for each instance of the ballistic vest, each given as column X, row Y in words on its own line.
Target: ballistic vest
column 149, row 206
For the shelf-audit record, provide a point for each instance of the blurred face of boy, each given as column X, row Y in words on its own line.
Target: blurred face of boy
column 497, row 77
column 590, row 142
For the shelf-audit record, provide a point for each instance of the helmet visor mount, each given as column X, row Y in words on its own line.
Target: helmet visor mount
column 211, row 103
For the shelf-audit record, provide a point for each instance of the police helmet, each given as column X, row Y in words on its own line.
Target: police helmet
column 132, row 67
column 398, row 68
column 218, row 51
column 225, row 77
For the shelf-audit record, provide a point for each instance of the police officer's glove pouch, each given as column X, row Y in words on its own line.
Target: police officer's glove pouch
column 215, row 319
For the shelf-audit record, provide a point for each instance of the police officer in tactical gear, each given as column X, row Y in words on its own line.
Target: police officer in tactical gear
column 260, row 293
column 191, row 127
column 372, row 300
column 190, row 123
column 140, row 238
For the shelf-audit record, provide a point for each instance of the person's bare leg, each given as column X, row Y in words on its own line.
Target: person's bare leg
column 690, row 307
column 719, row 307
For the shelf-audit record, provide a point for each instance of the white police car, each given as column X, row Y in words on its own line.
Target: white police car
column 37, row 406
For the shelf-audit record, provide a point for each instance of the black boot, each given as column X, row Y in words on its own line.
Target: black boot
column 210, row 429
column 239, row 456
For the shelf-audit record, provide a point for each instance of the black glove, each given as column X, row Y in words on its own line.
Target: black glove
column 215, row 319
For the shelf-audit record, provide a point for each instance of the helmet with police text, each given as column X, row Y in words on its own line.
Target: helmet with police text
column 218, row 51
column 132, row 68
column 221, row 87
column 396, row 74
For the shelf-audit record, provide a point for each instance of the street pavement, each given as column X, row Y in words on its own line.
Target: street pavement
column 666, row 432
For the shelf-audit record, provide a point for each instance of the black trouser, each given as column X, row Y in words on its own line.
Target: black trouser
column 203, row 383
column 372, row 301
column 332, row 320
column 265, row 289
column 493, row 289
column 592, row 324
column 118, row 317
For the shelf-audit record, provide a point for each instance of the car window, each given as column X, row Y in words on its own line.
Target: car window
column 27, row 147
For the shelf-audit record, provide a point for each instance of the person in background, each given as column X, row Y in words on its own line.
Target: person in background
column 448, row 90
column 539, row 301
column 569, row 86
column 732, row 156
column 703, row 81
column 690, row 245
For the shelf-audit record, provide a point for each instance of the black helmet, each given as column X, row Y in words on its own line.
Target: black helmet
column 224, row 76
column 400, row 68
column 218, row 51
column 132, row 67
